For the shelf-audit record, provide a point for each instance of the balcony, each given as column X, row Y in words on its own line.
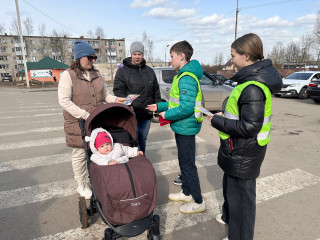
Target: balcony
column 19, row 61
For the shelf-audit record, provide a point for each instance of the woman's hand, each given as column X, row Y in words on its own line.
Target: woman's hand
column 152, row 107
column 113, row 162
column 140, row 153
column 120, row 99
column 218, row 113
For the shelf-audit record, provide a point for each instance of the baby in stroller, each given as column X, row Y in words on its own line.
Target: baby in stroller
column 105, row 152
column 124, row 194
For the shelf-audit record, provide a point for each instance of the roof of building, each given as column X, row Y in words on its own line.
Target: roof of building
column 47, row 63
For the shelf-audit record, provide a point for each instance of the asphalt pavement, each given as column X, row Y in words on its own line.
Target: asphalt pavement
column 37, row 191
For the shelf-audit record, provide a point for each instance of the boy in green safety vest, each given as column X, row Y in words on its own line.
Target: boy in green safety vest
column 186, row 122
column 244, row 130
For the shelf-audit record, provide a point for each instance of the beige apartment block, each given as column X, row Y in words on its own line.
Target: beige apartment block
column 110, row 52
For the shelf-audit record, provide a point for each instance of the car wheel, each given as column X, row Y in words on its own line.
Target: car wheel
column 224, row 104
column 316, row 100
column 303, row 93
column 277, row 95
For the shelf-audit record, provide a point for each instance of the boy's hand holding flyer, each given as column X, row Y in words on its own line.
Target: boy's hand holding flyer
column 205, row 111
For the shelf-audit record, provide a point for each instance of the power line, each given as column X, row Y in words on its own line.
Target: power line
column 270, row 4
column 51, row 18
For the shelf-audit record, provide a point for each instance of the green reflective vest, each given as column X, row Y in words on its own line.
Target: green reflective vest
column 174, row 95
column 232, row 111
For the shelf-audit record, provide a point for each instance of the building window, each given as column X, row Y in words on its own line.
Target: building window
column 4, row 66
column 2, row 40
column 120, row 44
column 34, row 58
column 3, row 49
column 3, row 58
column 120, row 51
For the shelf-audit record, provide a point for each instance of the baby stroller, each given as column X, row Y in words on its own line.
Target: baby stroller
column 128, row 206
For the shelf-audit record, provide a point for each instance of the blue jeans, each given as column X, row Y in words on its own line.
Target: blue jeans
column 187, row 161
column 239, row 207
column 142, row 133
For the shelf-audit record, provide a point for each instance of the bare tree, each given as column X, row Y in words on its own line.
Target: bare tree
column 100, row 32
column 148, row 47
column 14, row 28
column 292, row 54
column 28, row 26
column 317, row 36
column 277, row 54
column 306, row 43
column 58, row 43
column 90, row 34
column 43, row 46
column 2, row 28
column 218, row 59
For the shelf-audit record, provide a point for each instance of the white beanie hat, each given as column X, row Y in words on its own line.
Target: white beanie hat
column 136, row 47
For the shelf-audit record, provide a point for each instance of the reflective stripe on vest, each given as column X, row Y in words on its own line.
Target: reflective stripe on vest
column 174, row 95
column 232, row 111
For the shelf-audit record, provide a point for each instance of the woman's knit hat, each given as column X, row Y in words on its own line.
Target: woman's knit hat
column 136, row 47
column 82, row 48
column 102, row 138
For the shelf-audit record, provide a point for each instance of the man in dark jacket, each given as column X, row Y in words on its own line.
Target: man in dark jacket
column 135, row 77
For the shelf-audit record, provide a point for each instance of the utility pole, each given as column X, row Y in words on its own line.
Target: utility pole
column 235, row 31
column 22, row 45
column 165, row 56
column 111, row 70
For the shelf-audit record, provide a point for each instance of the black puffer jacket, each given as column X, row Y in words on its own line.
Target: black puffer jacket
column 245, row 160
column 133, row 79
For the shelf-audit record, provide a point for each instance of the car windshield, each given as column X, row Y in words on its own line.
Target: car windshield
column 299, row 76
column 219, row 77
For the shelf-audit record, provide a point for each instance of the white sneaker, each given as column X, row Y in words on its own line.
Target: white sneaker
column 84, row 190
column 192, row 207
column 219, row 219
column 226, row 238
column 180, row 197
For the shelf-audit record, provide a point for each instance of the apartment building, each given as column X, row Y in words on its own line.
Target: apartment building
column 108, row 51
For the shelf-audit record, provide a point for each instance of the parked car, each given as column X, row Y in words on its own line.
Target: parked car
column 7, row 78
column 313, row 91
column 223, row 80
column 215, row 94
column 296, row 84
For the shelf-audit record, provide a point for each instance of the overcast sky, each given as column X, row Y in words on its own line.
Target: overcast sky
column 209, row 25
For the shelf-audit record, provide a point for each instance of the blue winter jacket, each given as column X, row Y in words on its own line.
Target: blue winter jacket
column 182, row 117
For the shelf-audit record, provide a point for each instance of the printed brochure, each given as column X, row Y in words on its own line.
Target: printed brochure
column 205, row 111
column 130, row 98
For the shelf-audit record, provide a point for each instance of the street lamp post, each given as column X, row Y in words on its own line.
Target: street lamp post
column 165, row 55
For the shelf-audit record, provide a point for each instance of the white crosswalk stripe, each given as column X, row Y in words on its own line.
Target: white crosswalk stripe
column 37, row 130
column 270, row 187
column 31, row 194
column 172, row 220
column 59, row 140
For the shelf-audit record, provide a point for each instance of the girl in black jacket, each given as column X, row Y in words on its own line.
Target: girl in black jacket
column 244, row 133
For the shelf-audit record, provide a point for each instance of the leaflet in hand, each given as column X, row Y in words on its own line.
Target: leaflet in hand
column 130, row 98
column 205, row 111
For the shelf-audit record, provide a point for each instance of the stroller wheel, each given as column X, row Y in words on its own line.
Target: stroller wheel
column 83, row 213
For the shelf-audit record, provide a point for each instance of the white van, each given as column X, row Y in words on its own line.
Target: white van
column 297, row 83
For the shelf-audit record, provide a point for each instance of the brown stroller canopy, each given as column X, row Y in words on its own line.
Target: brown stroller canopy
column 112, row 115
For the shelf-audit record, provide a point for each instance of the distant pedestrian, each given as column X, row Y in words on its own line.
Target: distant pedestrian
column 81, row 89
column 54, row 79
column 244, row 130
column 135, row 77
column 186, row 122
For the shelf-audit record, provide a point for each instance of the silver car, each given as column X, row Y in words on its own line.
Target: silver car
column 214, row 93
